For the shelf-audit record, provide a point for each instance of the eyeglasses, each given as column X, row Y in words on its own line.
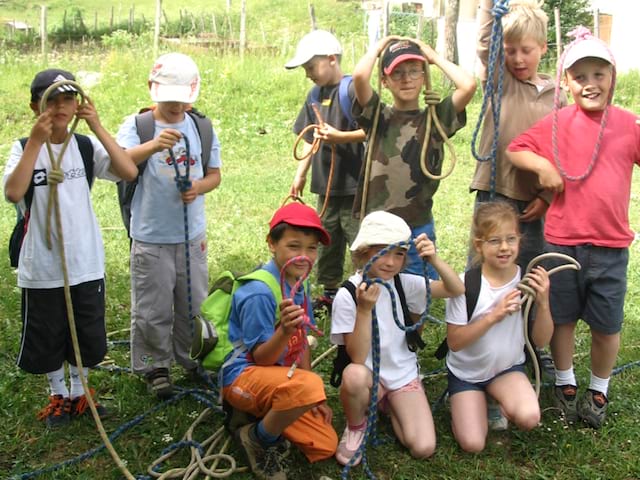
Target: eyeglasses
column 496, row 242
column 412, row 74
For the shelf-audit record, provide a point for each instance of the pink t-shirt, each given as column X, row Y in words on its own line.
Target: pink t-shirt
column 593, row 210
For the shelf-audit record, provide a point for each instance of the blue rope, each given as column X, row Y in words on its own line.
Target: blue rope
column 207, row 397
column 370, row 434
column 493, row 92
column 183, row 183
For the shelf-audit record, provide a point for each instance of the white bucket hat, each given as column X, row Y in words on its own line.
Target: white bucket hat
column 381, row 228
column 174, row 78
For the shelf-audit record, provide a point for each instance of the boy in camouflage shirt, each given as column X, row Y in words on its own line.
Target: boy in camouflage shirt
column 396, row 183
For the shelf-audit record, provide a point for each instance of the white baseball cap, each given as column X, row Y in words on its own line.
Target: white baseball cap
column 589, row 47
column 318, row 42
column 174, row 78
column 381, row 228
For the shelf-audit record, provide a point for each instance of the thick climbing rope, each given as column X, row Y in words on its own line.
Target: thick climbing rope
column 54, row 206
column 370, row 435
column 492, row 93
column 529, row 297
column 432, row 99
column 315, row 146
column 580, row 34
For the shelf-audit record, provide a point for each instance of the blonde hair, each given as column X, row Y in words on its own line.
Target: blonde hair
column 487, row 218
column 526, row 18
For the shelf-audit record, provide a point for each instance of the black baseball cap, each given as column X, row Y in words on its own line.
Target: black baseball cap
column 399, row 52
column 46, row 78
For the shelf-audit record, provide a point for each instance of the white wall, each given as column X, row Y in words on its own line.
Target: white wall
column 624, row 28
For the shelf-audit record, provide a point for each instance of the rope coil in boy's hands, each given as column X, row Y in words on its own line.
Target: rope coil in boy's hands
column 493, row 93
column 315, row 146
column 370, row 435
column 54, row 206
column 580, row 34
column 431, row 118
column 529, row 297
column 298, row 342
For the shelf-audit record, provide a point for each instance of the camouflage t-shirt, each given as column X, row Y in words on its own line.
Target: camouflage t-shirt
column 396, row 181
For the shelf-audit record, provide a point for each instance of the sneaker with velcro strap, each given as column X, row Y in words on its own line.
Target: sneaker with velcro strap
column 80, row 406
column 592, row 408
column 565, row 399
column 57, row 412
column 159, row 383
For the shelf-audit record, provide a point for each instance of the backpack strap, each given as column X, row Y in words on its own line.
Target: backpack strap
column 414, row 340
column 472, row 284
column 146, row 128
column 266, row 277
column 205, row 131
column 345, row 101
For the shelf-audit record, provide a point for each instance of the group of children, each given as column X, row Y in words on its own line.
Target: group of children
column 548, row 157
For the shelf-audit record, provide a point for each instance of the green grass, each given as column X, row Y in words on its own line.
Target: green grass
column 253, row 105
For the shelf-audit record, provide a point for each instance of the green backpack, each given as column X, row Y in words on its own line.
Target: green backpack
column 211, row 343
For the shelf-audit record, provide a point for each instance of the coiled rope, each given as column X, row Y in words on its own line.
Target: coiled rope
column 55, row 177
column 432, row 99
column 580, row 34
column 492, row 93
column 370, row 435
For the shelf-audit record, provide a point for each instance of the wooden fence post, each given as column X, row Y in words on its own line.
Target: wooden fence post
column 312, row 14
column 156, row 29
column 43, row 32
column 556, row 16
column 111, row 20
column 243, row 31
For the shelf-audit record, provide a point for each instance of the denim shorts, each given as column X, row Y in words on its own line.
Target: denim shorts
column 456, row 385
column 595, row 293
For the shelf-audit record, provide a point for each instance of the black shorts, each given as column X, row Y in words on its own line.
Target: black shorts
column 46, row 339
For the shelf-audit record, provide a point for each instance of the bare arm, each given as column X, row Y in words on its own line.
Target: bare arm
column 364, row 68
column 291, row 317
column 543, row 322
column 167, row 139
column 548, row 175
column 449, row 284
column 203, row 185
column 358, row 342
column 333, row 136
column 300, row 178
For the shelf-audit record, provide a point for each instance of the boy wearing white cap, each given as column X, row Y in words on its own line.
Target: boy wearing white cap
column 160, row 324
column 46, row 343
column 588, row 166
column 400, row 392
column 319, row 54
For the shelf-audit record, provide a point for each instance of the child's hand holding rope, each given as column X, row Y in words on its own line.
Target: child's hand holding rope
column 43, row 128
column 167, row 139
column 291, row 316
column 367, row 296
column 87, row 112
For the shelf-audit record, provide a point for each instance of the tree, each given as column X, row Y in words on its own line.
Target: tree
column 451, row 13
column 572, row 14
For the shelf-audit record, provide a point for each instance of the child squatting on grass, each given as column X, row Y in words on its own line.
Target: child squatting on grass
column 46, row 341
column 588, row 166
column 160, row 324
column 396, row 183
column 319, row 54
column 400, row 392
column 254, row 376
column 486, row 350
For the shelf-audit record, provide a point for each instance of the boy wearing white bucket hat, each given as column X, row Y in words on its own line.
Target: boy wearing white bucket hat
column 160, row 324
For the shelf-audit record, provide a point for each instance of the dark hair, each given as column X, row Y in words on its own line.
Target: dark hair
column 277, row 232
column 487, row 217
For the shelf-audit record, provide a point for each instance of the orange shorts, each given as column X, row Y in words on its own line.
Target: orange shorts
column 260, row 389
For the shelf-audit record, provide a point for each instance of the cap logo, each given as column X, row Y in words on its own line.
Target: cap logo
column 59, row 78
column 399, row 45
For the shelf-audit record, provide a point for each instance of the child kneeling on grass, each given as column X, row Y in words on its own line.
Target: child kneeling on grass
column 254, row 376
column 486, row 348
column 400, row 391
column 46, row 341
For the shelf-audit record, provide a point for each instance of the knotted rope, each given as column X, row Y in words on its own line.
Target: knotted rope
column 315, row 146
column 370, row 435
column 580, row 34
column 529, row 297
column 432, row 99
column 54, row 206
column 492, row 93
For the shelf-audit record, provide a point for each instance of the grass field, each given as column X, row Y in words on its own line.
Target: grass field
column 253, row 105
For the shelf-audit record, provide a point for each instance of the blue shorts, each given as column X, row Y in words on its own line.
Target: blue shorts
column 415, row 263
column 595, row 293
column 456, row 385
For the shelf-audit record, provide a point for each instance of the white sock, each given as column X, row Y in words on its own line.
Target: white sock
column 565, row 377
column 599, row 384
column 76, row 383
column 57, row 384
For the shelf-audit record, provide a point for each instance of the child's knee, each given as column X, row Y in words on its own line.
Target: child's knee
column 527, row 418
column 471, row 444
column 356, row 377
column 422, row 448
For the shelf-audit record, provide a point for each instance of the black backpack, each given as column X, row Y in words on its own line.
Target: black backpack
column 414, row 340
column 22, row 223
column 145, row 126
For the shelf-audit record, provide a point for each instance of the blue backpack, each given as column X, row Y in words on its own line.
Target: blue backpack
column 343, row 98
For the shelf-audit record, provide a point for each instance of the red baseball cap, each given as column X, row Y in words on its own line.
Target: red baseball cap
column 299, row 215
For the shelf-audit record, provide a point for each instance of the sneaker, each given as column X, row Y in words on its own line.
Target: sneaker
column 265, row 463
column 497, row 421
column 349, row 445
column 58, row 411
column 159, row 383
column 547, row 367
column 80, row 406
column 565, row 400
column 592, row 408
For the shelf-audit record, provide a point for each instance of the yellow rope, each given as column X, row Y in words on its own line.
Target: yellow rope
column 55, row 206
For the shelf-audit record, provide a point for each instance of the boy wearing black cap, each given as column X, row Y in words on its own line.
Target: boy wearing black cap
column 256, row 376
column 396, row 183
column 319, row 53
column 46, row 342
